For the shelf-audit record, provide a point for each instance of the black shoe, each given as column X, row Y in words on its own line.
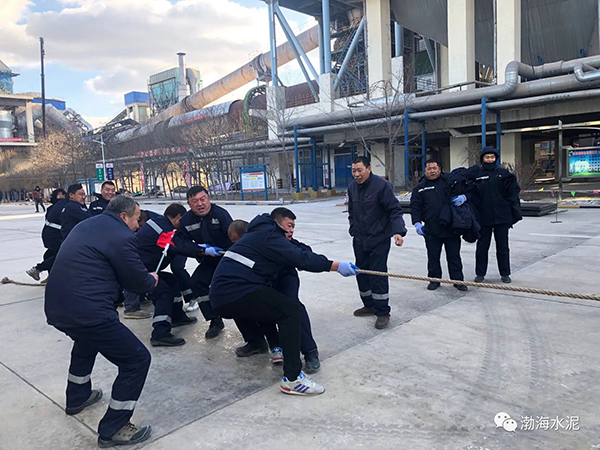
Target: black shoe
column 311, row 361
column 432, row 286
column 252, row 348
column 95, row 396
column 128, row 435
column 216, row 325
column 479, row 279
column 364, row 311
column 461, row 287
column 382, row 322
column 506, row 279
column 167, row 341
column 184, row 320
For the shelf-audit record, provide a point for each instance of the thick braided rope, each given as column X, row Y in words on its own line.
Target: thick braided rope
column 7, row 280
column 484, row 285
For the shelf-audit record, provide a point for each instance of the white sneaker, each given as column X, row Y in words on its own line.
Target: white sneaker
column 33, row 273
column 191, row 306
column 303, row 385
column 276, row 355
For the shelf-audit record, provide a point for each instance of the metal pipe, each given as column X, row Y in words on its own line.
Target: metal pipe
column 406, row 151
column 498, row 132
column 398, row 41
column 272, row 42
column 43, row 80
column 483, row 121
column 348, row 56
column 585, row 77
column 296, row 157
column 423, row 146
column 496, row 41
column 327, row 36
column 321, row 45
column 182, row 86
column 289, row 37
column 286, row 27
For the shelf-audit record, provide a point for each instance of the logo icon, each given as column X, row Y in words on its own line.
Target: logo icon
column 503, row 420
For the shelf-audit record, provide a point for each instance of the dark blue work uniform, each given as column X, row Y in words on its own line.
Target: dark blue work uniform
column 166, row 297
column 51, row 236
column 288, row 283
column 496, row 199
column 426, row 203
column 212, row 230
column 375, row 216
column 242, row 286
column 80, row 301
column 97, row 207
column 71, row 215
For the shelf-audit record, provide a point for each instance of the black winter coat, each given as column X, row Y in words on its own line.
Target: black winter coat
column 210, row 229
column 92, row 272
column 71, row 215
column 51, row 236
column 496, row 196
column 426, row 203
column 374, row 212
column 97, row 207
column 256, row 260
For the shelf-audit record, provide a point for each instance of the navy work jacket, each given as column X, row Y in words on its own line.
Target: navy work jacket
column 71, row 215
column 98, row 258
column 51, row 236
column 426, row 203
column 256, row 260
column 97, row 207
column 210, row 229
column 374, row 212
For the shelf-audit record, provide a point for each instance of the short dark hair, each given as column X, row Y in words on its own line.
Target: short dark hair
column 174, row 210
column 362, row 159
column 278, row 214
column 238, row 227
column 54, row 195
column 195, row 190
column 122, row 203
column 144, row 216
column 433, row 161
column 74, row 188
column 110, row 183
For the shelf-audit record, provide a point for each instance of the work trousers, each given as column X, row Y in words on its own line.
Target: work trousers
column 132, row 301
column 168, row 303
column 434, row 251
column 48, row 262
column 201, row 279
column 183, row 277
column 118, row 344
column 288, row 283
column 502, row 250
column 39, row 203
column 267, row 305
column 374, row 290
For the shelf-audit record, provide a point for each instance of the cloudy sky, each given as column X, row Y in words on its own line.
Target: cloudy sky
column 97, row 50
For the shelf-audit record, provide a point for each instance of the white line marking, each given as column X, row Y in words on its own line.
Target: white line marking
column 577, row 236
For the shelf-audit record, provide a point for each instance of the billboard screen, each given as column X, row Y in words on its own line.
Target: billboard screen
column 584, row 162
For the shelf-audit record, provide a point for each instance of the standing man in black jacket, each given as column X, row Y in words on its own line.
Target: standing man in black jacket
column 375, row 216
column 80, row 302
column 426, row 202
column 107, row 193
column 74, row 211
column 205, row 225
column 496, row 199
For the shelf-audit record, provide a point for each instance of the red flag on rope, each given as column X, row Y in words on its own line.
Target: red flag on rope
column 165, row 239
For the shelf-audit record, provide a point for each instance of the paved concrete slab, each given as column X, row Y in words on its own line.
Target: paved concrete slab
column 435, row 379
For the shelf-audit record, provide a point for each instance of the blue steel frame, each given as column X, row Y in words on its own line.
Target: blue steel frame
column 253, row 168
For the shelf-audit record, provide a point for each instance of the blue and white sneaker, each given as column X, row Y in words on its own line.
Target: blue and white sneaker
column 276, row 355
column 303, row 385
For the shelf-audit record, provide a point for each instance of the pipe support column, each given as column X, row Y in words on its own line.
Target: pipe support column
column 461, row 42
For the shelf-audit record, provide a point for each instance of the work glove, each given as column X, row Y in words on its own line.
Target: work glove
column 209, row 250
column 458, row 200
column 419, row 227
column 347, row 269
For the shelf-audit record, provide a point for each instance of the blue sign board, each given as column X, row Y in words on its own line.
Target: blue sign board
column 584, row 162
column 110, row 171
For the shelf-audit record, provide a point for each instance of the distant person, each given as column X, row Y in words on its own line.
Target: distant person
column 375, row 217
column 426, row 203
column 496, row 199
column 107, row 193
column 75, row 210
column 51, row 236
column 38, row 198
column 96, row 259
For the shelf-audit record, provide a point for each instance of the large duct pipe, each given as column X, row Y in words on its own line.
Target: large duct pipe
column 309, row 40
column 511, row 88
column 52, row 114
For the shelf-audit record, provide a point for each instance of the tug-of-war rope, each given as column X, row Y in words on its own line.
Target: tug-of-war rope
column 499, row 287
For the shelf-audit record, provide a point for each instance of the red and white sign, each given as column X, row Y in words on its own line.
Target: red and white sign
column 253, row 181
column 11, row 139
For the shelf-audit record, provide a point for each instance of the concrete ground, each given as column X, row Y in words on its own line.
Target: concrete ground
column 435, row 379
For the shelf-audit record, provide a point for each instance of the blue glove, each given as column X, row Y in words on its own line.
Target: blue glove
column 419, row 227
column 347, row 269
column 458, row 200
column 209, row 250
